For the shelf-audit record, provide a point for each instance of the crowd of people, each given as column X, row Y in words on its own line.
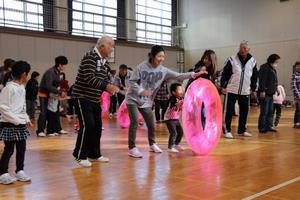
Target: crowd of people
column 149, row 86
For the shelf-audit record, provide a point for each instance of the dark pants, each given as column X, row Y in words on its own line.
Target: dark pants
column 30, row 108
column 175, row 131
column 265, row 120
column 113, row 104
column 229, row 106
column 8, row 152
column 121, row 98
column 53, row 125
column 161, row 107
column 89, row 134
column 71, row 106
column 277, row 113
column 43, row 114
column 133, row 111
column 297, row 113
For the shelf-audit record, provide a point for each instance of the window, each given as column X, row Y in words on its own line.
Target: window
column 20, row 14
column 154, row 20
column 94, row 18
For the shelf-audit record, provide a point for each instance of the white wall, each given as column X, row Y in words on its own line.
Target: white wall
column 40, row 53
column 268, row 25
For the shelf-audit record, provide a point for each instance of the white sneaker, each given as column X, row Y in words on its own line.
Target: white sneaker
column 102, row 128
column 228, row 135
column 179, row 147
column 246, row 134
column 84, row 163
column 6, row 179
column 173, row 150
column 154, row 148
column 22, row 176
column 41, row 134
column 134, row 152
column 100, row 159
column 52, row 135
column 63, row 131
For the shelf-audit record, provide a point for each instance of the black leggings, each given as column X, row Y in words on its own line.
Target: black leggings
column 8, row 152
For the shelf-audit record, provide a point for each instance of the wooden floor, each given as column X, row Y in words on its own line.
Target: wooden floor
column 236, row 169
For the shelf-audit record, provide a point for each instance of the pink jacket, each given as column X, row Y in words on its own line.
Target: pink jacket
column 278, row 99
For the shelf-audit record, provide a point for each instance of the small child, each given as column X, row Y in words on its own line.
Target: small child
column 53, row 125
column 172, row 118
column 13, row 130
column 296, row 91
column 278, row 99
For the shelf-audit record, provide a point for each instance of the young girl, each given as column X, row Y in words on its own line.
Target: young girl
column 13, row 120
column 296, row 92
column 172, row 118
column 278, row 99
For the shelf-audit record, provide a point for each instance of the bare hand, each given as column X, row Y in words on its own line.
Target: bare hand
column 29, row 124
column 195, row 75
column 262, row 95
column 112, row 89
column 253, row 95
column 224, row 91
column 146, row 93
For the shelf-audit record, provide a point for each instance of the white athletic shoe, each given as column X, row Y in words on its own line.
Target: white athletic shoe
column 84, row 163
column 63, row 132
column 134, row 152
column 173, row 150
column 41, row 134
column 179, row 147
column 100, row 159
column 154, row 148
column 228, row 135
column 22, row 176
column 6, row 179
column 246, row 134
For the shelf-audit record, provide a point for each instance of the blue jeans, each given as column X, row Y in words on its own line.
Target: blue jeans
column 265, row 121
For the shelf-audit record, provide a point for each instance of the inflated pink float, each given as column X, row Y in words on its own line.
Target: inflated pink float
column 123, row 116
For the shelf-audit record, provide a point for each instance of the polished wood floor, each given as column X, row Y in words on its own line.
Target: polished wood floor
column 236, row 169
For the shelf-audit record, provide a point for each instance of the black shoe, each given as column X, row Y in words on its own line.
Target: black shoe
column 262, row 131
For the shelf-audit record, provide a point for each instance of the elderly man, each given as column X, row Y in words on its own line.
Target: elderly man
column 92, row 79
column 239, row 79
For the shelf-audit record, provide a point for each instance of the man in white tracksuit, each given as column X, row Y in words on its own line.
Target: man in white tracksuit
column 238, row 81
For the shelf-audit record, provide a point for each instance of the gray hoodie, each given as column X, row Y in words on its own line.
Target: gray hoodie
column 146, row 77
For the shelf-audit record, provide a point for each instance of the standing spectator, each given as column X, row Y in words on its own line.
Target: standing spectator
column 32, row 88
column 278, row 98
column 239, row 79
column 46, row 86
column 122, row 81
column 161, row 102
column 5, row 72
column 64, row 88
column 113, row 98
column 267, row 87
column 91, row 80
column 296, row 92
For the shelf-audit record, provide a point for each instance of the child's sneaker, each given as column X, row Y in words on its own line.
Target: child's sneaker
column 173, row 150
column 84, row 163
column 22, row 176
column 179, row 147
column 154, row 148
column 6, row 179
column 100, row 159
column 134, row 152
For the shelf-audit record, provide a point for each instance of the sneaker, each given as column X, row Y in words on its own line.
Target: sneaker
column 41, row 134
column 179, row 147
column 100, row 159
column 84, row 163
column 102, row 128
column 51, row 134
column 173, row 150
column 134, row 152
column 22, row 176
column 63, row 132
column 154, row 148
column 228, row 135
column 6, row 179
column 246, row 134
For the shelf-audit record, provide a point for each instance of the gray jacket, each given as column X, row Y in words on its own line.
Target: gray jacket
column 146, row 77
column 118, row 82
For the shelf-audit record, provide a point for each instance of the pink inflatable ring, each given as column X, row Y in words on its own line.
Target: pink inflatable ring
column 202, row 141
column 123, row 116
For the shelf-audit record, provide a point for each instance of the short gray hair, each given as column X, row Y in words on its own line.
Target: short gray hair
column 103, row 40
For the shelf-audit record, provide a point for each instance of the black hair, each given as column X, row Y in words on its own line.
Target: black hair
column 123, row 66
column 130, row 69
column 297, row 63
column 60, row 60
column 155, row 50
column 19, row 68
column 34, row 74
column 8, row 63
column 174, row 86
column 272, row 58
